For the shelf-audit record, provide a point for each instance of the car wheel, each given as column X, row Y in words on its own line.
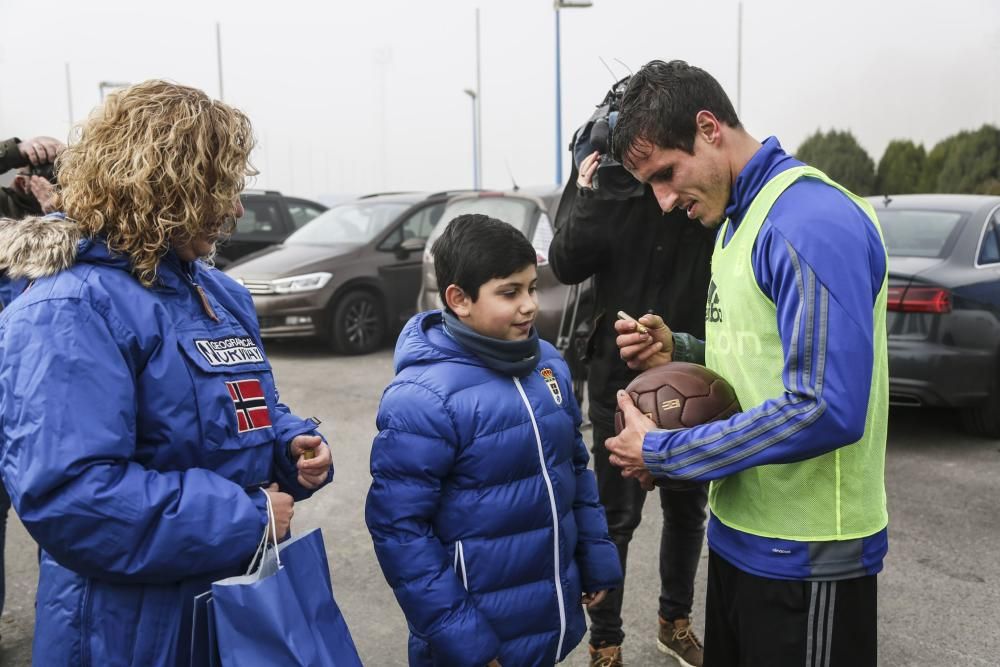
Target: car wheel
column 358, row 325
column 984, row 419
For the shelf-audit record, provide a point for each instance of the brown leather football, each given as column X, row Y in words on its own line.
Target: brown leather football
column 680, row 395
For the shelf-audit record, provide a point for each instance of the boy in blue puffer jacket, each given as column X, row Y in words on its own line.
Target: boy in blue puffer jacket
column 484, row 515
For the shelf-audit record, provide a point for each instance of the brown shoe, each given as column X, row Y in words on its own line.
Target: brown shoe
column 677, row 638
column 609, row 656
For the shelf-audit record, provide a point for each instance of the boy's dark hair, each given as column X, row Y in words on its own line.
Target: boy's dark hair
column 659, row 109
column 475, row 249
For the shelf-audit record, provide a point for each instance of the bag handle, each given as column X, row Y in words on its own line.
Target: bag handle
column 270, row 529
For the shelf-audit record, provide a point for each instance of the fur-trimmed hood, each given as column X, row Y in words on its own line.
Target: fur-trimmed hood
column 35, row 247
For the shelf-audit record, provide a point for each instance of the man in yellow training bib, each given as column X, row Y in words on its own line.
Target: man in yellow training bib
column 795, row 321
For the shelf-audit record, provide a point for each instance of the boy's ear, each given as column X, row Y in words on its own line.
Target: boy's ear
column 456, row 299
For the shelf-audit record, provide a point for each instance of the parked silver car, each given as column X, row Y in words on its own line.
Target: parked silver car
column 530, row 213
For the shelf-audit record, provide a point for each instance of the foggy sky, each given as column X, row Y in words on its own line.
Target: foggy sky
column 352, row 97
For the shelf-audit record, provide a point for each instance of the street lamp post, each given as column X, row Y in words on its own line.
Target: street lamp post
column 477, row 117
column 558, row 5
column 475, row 139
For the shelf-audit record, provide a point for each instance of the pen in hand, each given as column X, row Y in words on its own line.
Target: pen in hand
column 622, row 315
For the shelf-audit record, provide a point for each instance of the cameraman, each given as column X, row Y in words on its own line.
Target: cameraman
column 32, row 190
column 15, row 153
column 642, row 261
column 31, row 195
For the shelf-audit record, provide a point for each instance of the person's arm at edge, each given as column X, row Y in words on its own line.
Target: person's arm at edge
column 579, row 248
column 10, row 155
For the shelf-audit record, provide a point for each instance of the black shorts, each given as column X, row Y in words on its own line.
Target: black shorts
column 753, row 621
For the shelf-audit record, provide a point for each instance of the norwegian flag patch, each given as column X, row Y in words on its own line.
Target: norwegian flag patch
column 250, row 404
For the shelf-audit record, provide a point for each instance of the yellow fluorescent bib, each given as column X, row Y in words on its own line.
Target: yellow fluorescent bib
column 837, row 496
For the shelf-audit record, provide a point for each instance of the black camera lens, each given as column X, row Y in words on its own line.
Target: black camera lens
column 599, row 134
column 46, row 171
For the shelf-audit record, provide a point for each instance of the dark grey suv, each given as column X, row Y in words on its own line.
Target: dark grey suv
column 350, row 276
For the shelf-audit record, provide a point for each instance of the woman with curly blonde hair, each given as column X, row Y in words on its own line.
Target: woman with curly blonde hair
column 140, row 430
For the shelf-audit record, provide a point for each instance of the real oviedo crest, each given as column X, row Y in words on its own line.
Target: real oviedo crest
column 552, row 383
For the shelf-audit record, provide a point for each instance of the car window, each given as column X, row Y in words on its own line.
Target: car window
column 417, row 226
column 302, row 212
column 542, row 238
column 261, row 219
column 512, row 210
column 919, row 233
column 990, row 252
column 355, row 223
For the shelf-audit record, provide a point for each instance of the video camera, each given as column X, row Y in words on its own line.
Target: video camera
column 46, row 171
column 611, row 180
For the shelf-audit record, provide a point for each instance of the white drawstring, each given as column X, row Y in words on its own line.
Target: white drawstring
column 273, row 526
column 270, row 529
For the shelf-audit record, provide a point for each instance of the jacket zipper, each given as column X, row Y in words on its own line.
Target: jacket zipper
column 555, row 517
column 460, row 563
column 85, row 627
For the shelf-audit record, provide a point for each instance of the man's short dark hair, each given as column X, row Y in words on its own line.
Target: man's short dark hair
column 474, row 249
column 659, row 108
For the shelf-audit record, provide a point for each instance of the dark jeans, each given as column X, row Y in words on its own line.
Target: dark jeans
column 680, row 542
column 4, row 509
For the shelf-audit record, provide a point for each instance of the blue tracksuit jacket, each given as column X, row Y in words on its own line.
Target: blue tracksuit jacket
column 816, row 247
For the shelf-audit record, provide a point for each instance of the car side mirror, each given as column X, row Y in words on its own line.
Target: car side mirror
column 410, row 245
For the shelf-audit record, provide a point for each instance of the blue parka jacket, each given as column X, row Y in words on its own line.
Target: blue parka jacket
column 485, row 518
column 136, row 426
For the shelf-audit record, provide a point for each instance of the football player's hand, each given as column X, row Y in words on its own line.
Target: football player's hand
column 642, row 351
column 626, row 448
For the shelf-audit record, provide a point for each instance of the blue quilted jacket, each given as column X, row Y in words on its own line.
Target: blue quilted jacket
column 133, row 430
column 484, row 515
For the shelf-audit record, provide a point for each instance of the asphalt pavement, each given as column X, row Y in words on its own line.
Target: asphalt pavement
column 939, row 595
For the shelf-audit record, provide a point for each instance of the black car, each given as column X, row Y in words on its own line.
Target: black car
column 268, row 219
column 350, row 276
column 943, row 318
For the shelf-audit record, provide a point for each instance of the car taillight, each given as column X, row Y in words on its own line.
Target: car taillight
column 919, row 299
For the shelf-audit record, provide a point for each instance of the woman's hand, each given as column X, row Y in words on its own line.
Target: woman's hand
column 312, row 458
column 283, row 507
